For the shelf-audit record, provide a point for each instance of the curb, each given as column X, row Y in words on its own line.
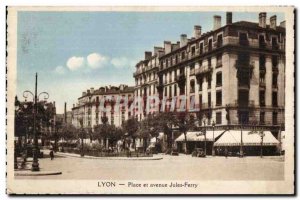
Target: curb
column 40, row 173
column 110, row 158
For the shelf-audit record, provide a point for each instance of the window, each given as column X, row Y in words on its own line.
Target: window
column 175, row 90
column 220, row 41
column 243, row 98
column 274, row 80
column 123, row 117
column 274, row 118
column 219, row 79
column 167, row 63
column 200, row 63
column 192, row 69
column 274, row 61
column 274, row 99
column 170, row 77
column 193, row 51
column 170, row 91
column 200, row 84
column 262, row 61
column 262, row 43
column 201, row 48
column 182, row 55
column 176, row 59
column 200, row 100
column 262, row 98
column 274, row 43
column 210, row 45
column 219, row 60
column 192, row 86
column 243, row 117
column 208, row 82
column 166, row 91
column 209, row 100
column 219, row 98
column 219, row 118
column 209, row 62
column 262, row 118
column 243, row 39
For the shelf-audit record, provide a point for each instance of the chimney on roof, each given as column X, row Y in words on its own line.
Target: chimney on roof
column 262, row 19
column 88, row 91
column 73, row 105
column 282, row 24
column 183, row 40
column 157, row 49
column 273, row 22
column 167, row 46
column 217, row 22
column 228, row 18
column 83, row 93
column 161, row 52
column 197, row 31
column 92, row 90
column 148, row 55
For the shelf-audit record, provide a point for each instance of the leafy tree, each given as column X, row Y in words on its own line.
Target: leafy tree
column 186, row 122
column 131, row 126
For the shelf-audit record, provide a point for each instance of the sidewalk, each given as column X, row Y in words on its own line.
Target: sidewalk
column 26, row 171
column 104, row 158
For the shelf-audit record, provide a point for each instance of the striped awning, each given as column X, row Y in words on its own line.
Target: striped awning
column 199, row 136
column 233, row 138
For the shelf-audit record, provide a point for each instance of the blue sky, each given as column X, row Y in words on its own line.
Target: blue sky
column 73, row 51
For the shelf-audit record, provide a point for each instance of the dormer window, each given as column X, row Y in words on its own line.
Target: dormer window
column 244, row 39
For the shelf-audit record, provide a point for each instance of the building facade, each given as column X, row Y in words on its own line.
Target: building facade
column 233, row 75
column 109, row 101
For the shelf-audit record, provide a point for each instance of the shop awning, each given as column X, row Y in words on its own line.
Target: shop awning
column 199, row 136
column 233, row 138
column 160, row 136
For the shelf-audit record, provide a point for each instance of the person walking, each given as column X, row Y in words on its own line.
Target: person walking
column 51, row 155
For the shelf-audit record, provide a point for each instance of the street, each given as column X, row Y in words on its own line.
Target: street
column 182, row 167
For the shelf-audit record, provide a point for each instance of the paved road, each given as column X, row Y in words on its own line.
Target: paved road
column 183, row 167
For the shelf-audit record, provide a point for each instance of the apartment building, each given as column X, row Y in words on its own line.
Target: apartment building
column 108, row 101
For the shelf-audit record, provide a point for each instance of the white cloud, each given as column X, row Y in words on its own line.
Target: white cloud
column 123, row 62
column 75, row 63
column 60, row 69
column 96, row 60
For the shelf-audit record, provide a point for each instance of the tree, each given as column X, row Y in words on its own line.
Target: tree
column 131, row 126
column 69, row 132
column 166, row 122
column 186, row 122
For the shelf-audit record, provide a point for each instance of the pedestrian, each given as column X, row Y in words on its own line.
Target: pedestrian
column 51, row 155
column 226, row 152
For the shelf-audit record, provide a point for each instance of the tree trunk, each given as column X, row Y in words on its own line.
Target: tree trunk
column 185, row 141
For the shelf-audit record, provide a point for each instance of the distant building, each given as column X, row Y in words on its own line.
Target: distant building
column 95, row 104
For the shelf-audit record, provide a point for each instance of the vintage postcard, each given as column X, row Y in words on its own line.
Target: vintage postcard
column 150, row 100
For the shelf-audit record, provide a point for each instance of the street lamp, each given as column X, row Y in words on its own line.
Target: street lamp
column 213, row 146
column 35, row 163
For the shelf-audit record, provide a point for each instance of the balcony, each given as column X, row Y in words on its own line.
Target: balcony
column 262, row 85
column 203, row 70
column 244, row 104
column 205, row 106
column 262, row 69
column 275, row 69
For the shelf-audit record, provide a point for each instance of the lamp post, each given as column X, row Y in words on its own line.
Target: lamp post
column 213, row 146
column 35, row 163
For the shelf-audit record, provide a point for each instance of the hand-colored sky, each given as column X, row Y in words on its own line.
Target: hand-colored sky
column 73, row 51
